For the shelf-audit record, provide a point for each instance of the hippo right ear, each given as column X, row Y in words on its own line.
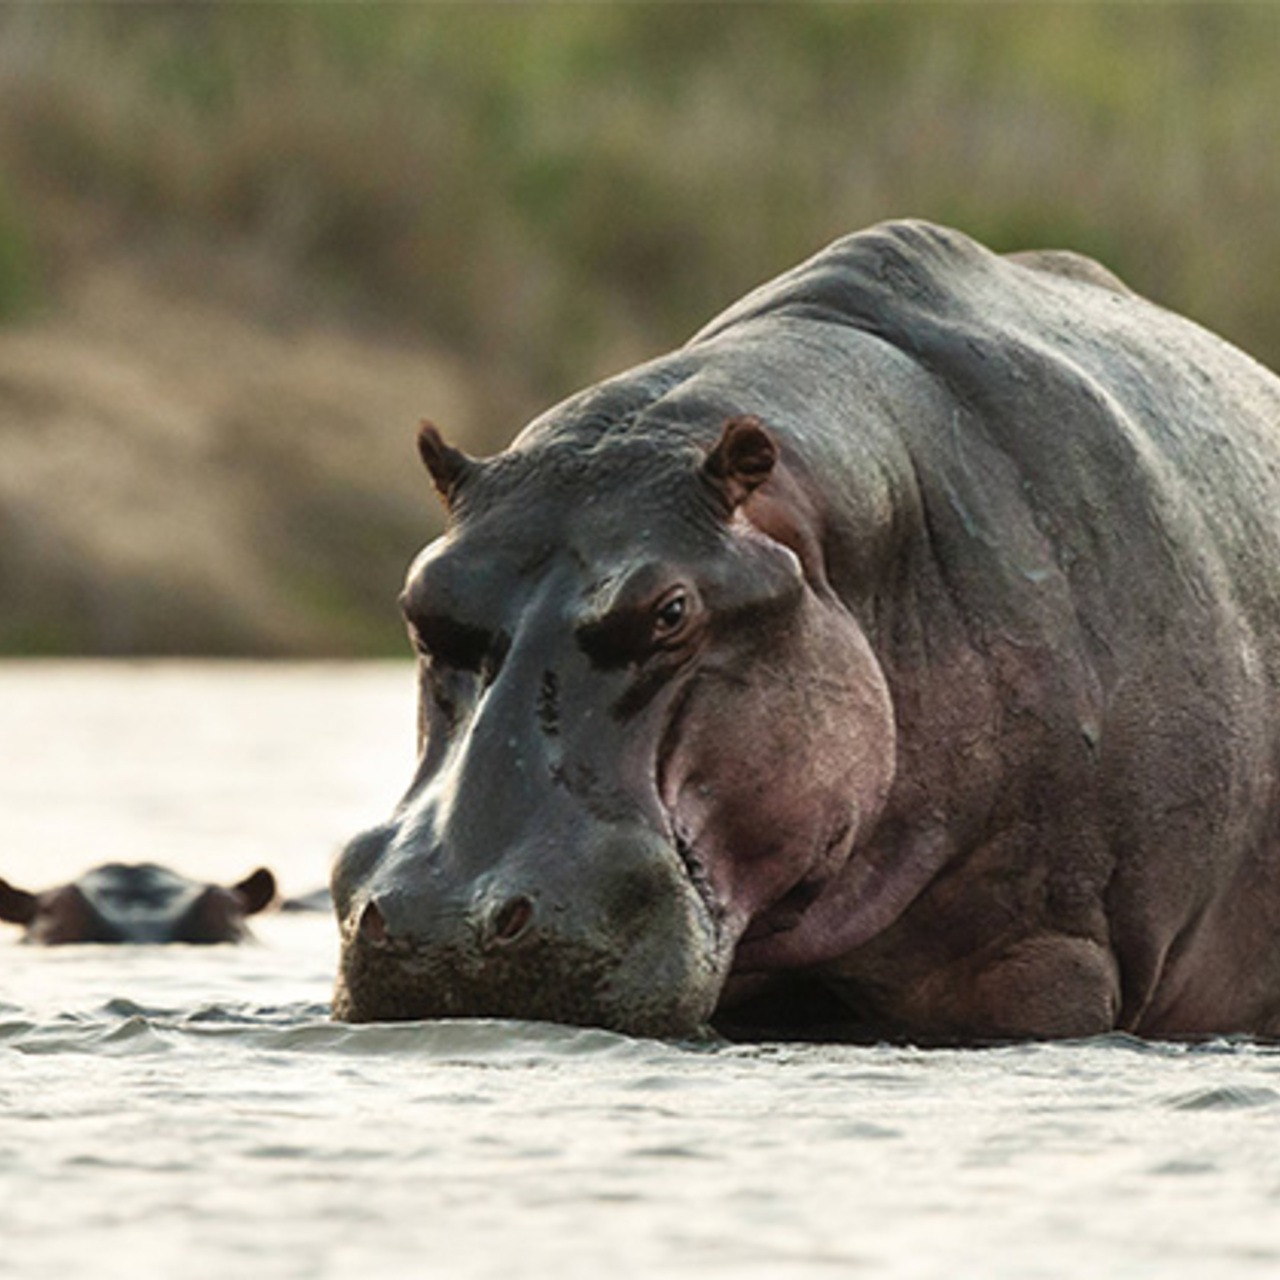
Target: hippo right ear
column 16, row 905
column 449, row 467
column 256, row 891
column 741, row 461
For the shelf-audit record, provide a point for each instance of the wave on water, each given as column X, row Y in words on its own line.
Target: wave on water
column 121, row 1027
column 1229, row 1097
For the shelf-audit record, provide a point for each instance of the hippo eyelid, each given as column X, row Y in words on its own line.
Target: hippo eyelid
column 633, row 630
column 609, row 641
column 458, row 644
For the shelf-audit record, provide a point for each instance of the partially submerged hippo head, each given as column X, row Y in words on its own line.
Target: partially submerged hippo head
column 647, row 733
column 141, row 903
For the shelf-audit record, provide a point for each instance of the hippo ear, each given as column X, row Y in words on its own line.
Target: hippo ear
column 256, row 891
column 449, row 467
column 16, row 905
column 742, row 460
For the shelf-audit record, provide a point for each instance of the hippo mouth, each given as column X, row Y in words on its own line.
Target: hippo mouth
column 700, row 882
column 392, row 980
column 399, row 982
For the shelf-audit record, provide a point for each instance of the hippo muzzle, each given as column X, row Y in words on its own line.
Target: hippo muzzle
column 637, row 950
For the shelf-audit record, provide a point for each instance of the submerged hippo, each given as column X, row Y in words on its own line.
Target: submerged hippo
column 899, row 658
column 117, row 902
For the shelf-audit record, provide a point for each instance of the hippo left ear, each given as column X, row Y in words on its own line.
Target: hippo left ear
column 742, row 460
column 449, row 467
column 16, row 905
column 256, row 891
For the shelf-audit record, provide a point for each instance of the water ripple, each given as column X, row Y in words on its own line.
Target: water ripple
column 1224, row 1098
column 121, row 1027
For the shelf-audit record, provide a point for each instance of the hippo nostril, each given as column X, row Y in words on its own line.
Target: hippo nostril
column 509, row 922
column 373, row 928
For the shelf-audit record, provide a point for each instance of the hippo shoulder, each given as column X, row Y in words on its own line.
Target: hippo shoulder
column 1017, row 342
column 910, row 280
column 1072, row 266
column 861, row 280
column 1060, row 395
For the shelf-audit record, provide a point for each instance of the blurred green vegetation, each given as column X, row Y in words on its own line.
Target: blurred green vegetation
column 553, row 191
column 19, row 270
column 551, row 185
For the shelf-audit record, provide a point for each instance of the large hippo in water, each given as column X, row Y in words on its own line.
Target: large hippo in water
column 899, row 658
column 137, row 902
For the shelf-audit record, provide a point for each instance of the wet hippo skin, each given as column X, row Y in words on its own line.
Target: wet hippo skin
column 899, row 658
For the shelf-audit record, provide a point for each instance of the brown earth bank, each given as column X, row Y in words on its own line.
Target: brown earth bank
column 187, row 470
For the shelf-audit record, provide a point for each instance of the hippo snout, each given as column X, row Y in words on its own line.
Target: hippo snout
column 496, row 925
column 610, row 935
column 507, row 923
column 373, row 926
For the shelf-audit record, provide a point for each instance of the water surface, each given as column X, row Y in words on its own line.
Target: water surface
column 192, row 1112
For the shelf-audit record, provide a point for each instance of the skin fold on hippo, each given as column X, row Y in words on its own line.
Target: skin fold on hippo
column 137, row 903
column 898, row 659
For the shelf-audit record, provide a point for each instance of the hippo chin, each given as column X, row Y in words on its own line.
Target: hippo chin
column 899, row 658
column 139, row 903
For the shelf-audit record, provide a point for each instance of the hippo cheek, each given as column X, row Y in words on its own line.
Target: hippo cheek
column 772, row 785
column 612, row 935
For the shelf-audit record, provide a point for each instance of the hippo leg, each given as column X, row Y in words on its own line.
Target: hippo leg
column 1044, row 987
column 1049, row 986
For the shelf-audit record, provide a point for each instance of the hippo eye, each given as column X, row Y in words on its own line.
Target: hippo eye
column 669, row 613
column 636, row 629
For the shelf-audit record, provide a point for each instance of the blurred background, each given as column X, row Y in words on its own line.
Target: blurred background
column 243, row 249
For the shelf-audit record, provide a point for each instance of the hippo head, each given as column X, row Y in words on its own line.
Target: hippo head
column 647, row 733
column 120, row 902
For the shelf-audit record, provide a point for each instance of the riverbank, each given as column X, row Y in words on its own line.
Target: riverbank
column 186, row 470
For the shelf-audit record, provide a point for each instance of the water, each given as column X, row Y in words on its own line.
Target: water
column 191, row 1112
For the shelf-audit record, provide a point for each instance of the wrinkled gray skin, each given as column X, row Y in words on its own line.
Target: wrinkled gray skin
column 964, row 726
column 138, row 903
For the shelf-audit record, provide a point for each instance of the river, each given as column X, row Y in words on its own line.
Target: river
column 192, row 1112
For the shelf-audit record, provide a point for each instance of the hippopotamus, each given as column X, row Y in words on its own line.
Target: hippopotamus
column 898, row 659
column 143, row 902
